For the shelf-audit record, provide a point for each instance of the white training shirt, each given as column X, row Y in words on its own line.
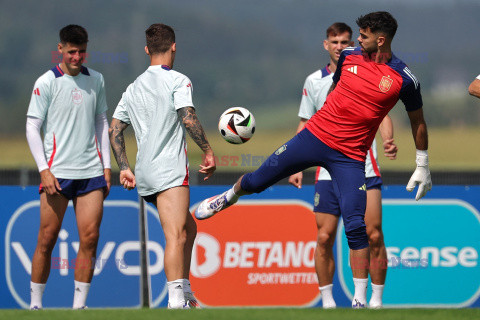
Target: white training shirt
column 150, row 105
column 68, row 107
column 315, row 91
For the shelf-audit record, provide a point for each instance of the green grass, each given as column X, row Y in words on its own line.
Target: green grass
column 449, row 149
column 244, row 313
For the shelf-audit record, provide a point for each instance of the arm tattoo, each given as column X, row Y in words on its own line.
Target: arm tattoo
column 193, row 127
column 117, row 140
column 331, row 88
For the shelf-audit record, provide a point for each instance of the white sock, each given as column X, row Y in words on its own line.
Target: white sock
column 186, row 286
column 36, row 294
column 176, row 297
column 360, row 291
column 80, row 294
column 327, row 296
column 231, row 196
column 376, row 301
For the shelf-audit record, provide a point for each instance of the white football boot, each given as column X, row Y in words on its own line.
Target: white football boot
column 211, row 206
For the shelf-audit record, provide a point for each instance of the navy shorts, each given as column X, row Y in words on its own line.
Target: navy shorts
column 326, row 195
column 348, row 175
column 72, row 188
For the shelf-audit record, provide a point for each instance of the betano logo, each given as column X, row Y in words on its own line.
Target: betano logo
column 118, row 252
column 432, row 248
column 257, row 253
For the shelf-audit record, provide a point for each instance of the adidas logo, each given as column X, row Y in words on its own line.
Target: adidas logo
column 36, row 92
column 78, row 289
column 363, row 188
column 178, row 287
column 353, row 69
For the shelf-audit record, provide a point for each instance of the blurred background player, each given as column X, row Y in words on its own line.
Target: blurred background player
column 68, row 103
column 157, row 104
column 367, row 84
column 326, row 203
column 474, row 88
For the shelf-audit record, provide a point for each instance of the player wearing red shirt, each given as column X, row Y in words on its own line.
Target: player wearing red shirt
column 367, row 83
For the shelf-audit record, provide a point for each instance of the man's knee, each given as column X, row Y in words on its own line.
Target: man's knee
column 325, row 240
column 177, row 236
column 47, row 239
column 356, row 234
column 250, row 183
column 89, row 239
column 375, row 237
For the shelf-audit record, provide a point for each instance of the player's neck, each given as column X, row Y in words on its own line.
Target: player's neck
column 383, row 55
column 332, row 66
column 68, row 71
column 162, row 59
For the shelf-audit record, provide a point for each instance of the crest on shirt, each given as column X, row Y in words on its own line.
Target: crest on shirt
column 77, row 97
column 385, row 83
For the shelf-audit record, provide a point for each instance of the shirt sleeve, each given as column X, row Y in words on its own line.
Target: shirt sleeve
column 101, row 98
column 478, row 77
column 40, row 99
column 121, row 112
column 183, row 93
column 307, row 105
column 410, row 91
column 101, row 131
column 35, row 143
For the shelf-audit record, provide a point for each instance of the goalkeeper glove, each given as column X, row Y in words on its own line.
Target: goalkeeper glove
column 421, row 176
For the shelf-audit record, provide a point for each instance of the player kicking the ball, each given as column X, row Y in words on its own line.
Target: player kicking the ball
column 368, row 82
column 326, row 202
column 157, row 104
column 69, row 103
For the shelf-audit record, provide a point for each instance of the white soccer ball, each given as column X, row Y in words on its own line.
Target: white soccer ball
column 236, row 125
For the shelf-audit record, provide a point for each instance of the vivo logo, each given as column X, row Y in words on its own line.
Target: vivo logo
column 115, row 269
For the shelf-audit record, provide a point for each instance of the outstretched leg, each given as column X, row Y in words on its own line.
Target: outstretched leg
column 301, row 152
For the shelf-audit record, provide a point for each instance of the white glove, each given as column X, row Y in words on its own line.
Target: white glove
column 421, row 176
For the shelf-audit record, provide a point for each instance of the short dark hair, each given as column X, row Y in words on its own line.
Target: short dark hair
column 338, row 28
column 380, row 21
column 160, row 38
column 74, row 34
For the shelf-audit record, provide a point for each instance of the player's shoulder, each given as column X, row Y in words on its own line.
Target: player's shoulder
column 401, row 67
column 180, row 78
column 319, row 74
column 90, row 72
column 87, row 71
column 352, row 51
column 178, row 75
column 46, row 77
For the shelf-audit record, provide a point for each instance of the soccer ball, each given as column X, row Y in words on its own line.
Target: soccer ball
column 236, row 125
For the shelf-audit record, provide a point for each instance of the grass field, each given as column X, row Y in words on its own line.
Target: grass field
column 245, row 313
column 450, row 149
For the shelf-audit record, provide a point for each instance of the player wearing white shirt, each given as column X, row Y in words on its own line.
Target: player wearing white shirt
column 159, row 107
column 326, row 202
column 68, row 103
column 474, row 88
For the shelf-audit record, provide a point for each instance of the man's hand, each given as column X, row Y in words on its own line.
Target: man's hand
column 108, row 177
column 49, row 182
column 127, row 179
column 390, row 149
column 296, row 179
column 208, row 165
column 421, row 176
